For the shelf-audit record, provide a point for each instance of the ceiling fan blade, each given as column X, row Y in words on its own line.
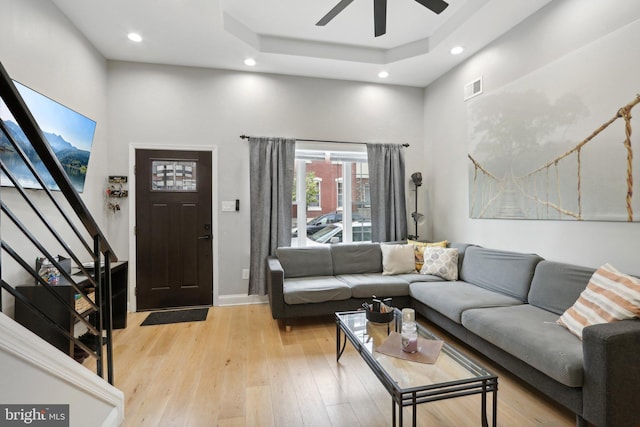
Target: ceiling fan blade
column 436, row 6
column 380, row 16
column 333, row 12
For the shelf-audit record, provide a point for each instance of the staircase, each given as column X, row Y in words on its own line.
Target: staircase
column 43, row 224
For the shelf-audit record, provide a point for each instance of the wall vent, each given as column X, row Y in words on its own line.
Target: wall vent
column 473, row 88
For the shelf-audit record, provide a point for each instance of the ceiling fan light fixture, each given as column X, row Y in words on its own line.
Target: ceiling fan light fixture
column 380, row 12
column 250, row 62
column 456, row 50
column 134, row 37
column 383, row 74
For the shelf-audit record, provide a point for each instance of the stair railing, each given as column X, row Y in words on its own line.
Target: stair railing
column 96, row 315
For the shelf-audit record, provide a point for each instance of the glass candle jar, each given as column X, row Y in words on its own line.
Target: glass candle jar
column 409, row 331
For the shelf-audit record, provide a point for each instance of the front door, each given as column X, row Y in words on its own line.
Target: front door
column 173, row 229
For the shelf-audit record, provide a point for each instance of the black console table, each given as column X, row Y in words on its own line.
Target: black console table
column 39, row 297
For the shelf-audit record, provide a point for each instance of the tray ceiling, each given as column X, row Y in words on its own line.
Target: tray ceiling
column 282, row 37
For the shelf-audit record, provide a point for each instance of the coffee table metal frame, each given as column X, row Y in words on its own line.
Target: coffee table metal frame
column 480, row 380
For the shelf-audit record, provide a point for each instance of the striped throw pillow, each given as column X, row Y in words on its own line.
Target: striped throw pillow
column 609, row 296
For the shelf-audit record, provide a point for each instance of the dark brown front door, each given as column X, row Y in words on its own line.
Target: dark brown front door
column 173, row 229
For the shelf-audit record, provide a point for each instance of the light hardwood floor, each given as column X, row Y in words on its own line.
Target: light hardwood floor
column 240, row 368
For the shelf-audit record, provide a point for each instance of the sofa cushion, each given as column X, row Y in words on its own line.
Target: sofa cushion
column 610, row 296
column 353, row 258
column 397, row 259
column 417, row 277
column 304, row 290
column 556, row 286
column 461, row 247
column 531, row 334
column 370, row 284
column 451, row 299
column 301, row 262
column 506, row 272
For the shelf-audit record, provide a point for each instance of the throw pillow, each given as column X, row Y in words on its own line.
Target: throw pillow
column 397, row 259
column 441, row 262
column 417, row 246
column 609, row 296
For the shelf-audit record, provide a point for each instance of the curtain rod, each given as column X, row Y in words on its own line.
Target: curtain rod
column 322, row 140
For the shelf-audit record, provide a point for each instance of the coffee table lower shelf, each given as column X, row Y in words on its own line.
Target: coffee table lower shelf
column 479, row 380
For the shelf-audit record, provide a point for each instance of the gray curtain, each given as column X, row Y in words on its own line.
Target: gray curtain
column 271, row 162
column 386, row 182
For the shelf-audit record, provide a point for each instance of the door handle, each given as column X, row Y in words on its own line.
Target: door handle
column 204, row 237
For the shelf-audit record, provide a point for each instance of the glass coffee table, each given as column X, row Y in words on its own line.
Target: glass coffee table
column 412, row 383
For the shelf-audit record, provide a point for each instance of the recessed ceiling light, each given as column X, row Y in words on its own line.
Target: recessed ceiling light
column 250, row 62
column 135, row 37
column 456, row 50
column 383, row 74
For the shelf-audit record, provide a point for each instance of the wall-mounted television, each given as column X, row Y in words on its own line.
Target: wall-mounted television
column 69, row 133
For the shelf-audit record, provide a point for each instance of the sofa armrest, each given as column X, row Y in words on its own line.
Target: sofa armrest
column 611, row 392
column 275, row 287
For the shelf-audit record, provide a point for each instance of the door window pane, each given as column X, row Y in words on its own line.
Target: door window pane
column 171, row 175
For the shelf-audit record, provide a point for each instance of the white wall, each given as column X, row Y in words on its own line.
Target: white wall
column 41, row 49
column 153, row 104
column 557, row 30
column 35, row 373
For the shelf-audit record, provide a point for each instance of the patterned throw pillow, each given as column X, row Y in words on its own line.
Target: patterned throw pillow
column 417, row 249
column 609, row 296
column 441, row 262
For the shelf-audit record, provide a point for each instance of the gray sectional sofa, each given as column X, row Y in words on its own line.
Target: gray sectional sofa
column 504, row 305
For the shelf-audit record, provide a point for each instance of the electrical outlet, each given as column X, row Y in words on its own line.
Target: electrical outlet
column 245, row 273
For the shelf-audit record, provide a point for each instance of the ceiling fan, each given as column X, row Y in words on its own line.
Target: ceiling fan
column 380, row 12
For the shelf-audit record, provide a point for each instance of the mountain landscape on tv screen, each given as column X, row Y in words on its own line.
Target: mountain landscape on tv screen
column 74, row 161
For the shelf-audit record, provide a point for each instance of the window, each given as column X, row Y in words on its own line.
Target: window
column 169, row 175
column 315, row 198
column 362, row 233
column 334, row 179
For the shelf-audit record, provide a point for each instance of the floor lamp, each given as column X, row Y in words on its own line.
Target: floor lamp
column 416, row 178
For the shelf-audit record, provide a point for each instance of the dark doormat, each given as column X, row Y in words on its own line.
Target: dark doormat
column 176, row 316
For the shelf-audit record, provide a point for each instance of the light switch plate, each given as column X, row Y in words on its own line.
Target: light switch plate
column 228, row 206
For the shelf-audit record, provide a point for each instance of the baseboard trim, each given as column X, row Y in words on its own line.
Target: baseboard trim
column 242, row 299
